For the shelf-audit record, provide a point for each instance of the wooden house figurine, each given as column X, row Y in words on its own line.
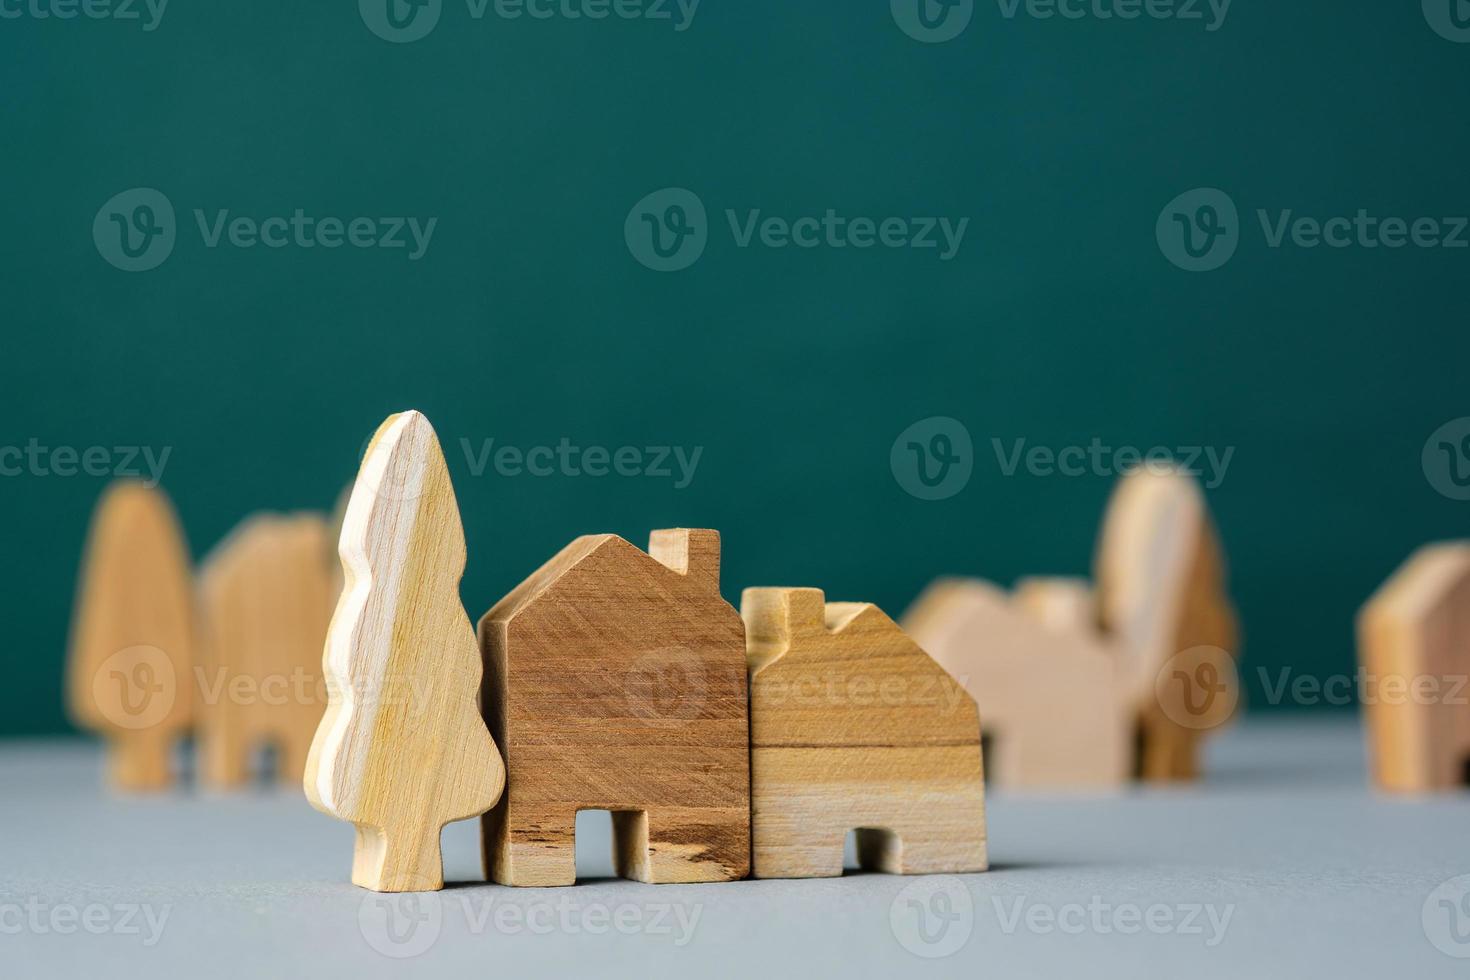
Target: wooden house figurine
column 1047, row 688
column 1414, row 648
column 615, row 680
column 854, row 727
column 268, row 591
column 1086, row 686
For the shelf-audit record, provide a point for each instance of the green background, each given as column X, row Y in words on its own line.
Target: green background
column 528, row 320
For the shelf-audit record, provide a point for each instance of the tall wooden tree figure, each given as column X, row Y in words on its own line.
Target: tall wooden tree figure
column 402, row 749
column 133, row 635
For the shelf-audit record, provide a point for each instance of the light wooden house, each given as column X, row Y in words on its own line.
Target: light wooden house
column 854, row 727
column 1414, row 648
column 1086, row 686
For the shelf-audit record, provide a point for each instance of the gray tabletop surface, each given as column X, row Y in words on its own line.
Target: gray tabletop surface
column 1281, row 863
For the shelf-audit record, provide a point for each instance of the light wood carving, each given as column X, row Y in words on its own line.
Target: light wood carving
column 1162, row 601
column 402, row 750
column 1048, row 691
column 128, row 675
column 268, row 593
column 854, row 727
column 615, row 680
column 1414, row 647
column 1084, row 687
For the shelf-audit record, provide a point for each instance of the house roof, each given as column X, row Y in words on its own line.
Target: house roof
column 562, row 563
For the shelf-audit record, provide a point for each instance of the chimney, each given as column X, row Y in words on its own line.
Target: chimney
column 693, row 552
column 778, row 615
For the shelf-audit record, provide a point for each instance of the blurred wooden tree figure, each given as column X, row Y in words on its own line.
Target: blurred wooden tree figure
column 1414, row 646
column 1083, row 686
column 268, row 592
column 402, row 750
column 133, row 635
column 853, row 727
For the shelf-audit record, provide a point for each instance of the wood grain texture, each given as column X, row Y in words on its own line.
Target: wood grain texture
column 401, row 749
column 267, row 594
column 854, row 727
column 1082, row 687
column 133, row 635
column 615, row 680
column 1414, row 647
column 1047, row 687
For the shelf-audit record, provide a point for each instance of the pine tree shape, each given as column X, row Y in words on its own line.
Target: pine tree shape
column 133, row 635
column 402, row 749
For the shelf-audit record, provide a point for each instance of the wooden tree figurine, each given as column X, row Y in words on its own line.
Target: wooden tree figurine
column 133, row 635
column 267, row 593
column 402, row 750
column 1163, row 603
